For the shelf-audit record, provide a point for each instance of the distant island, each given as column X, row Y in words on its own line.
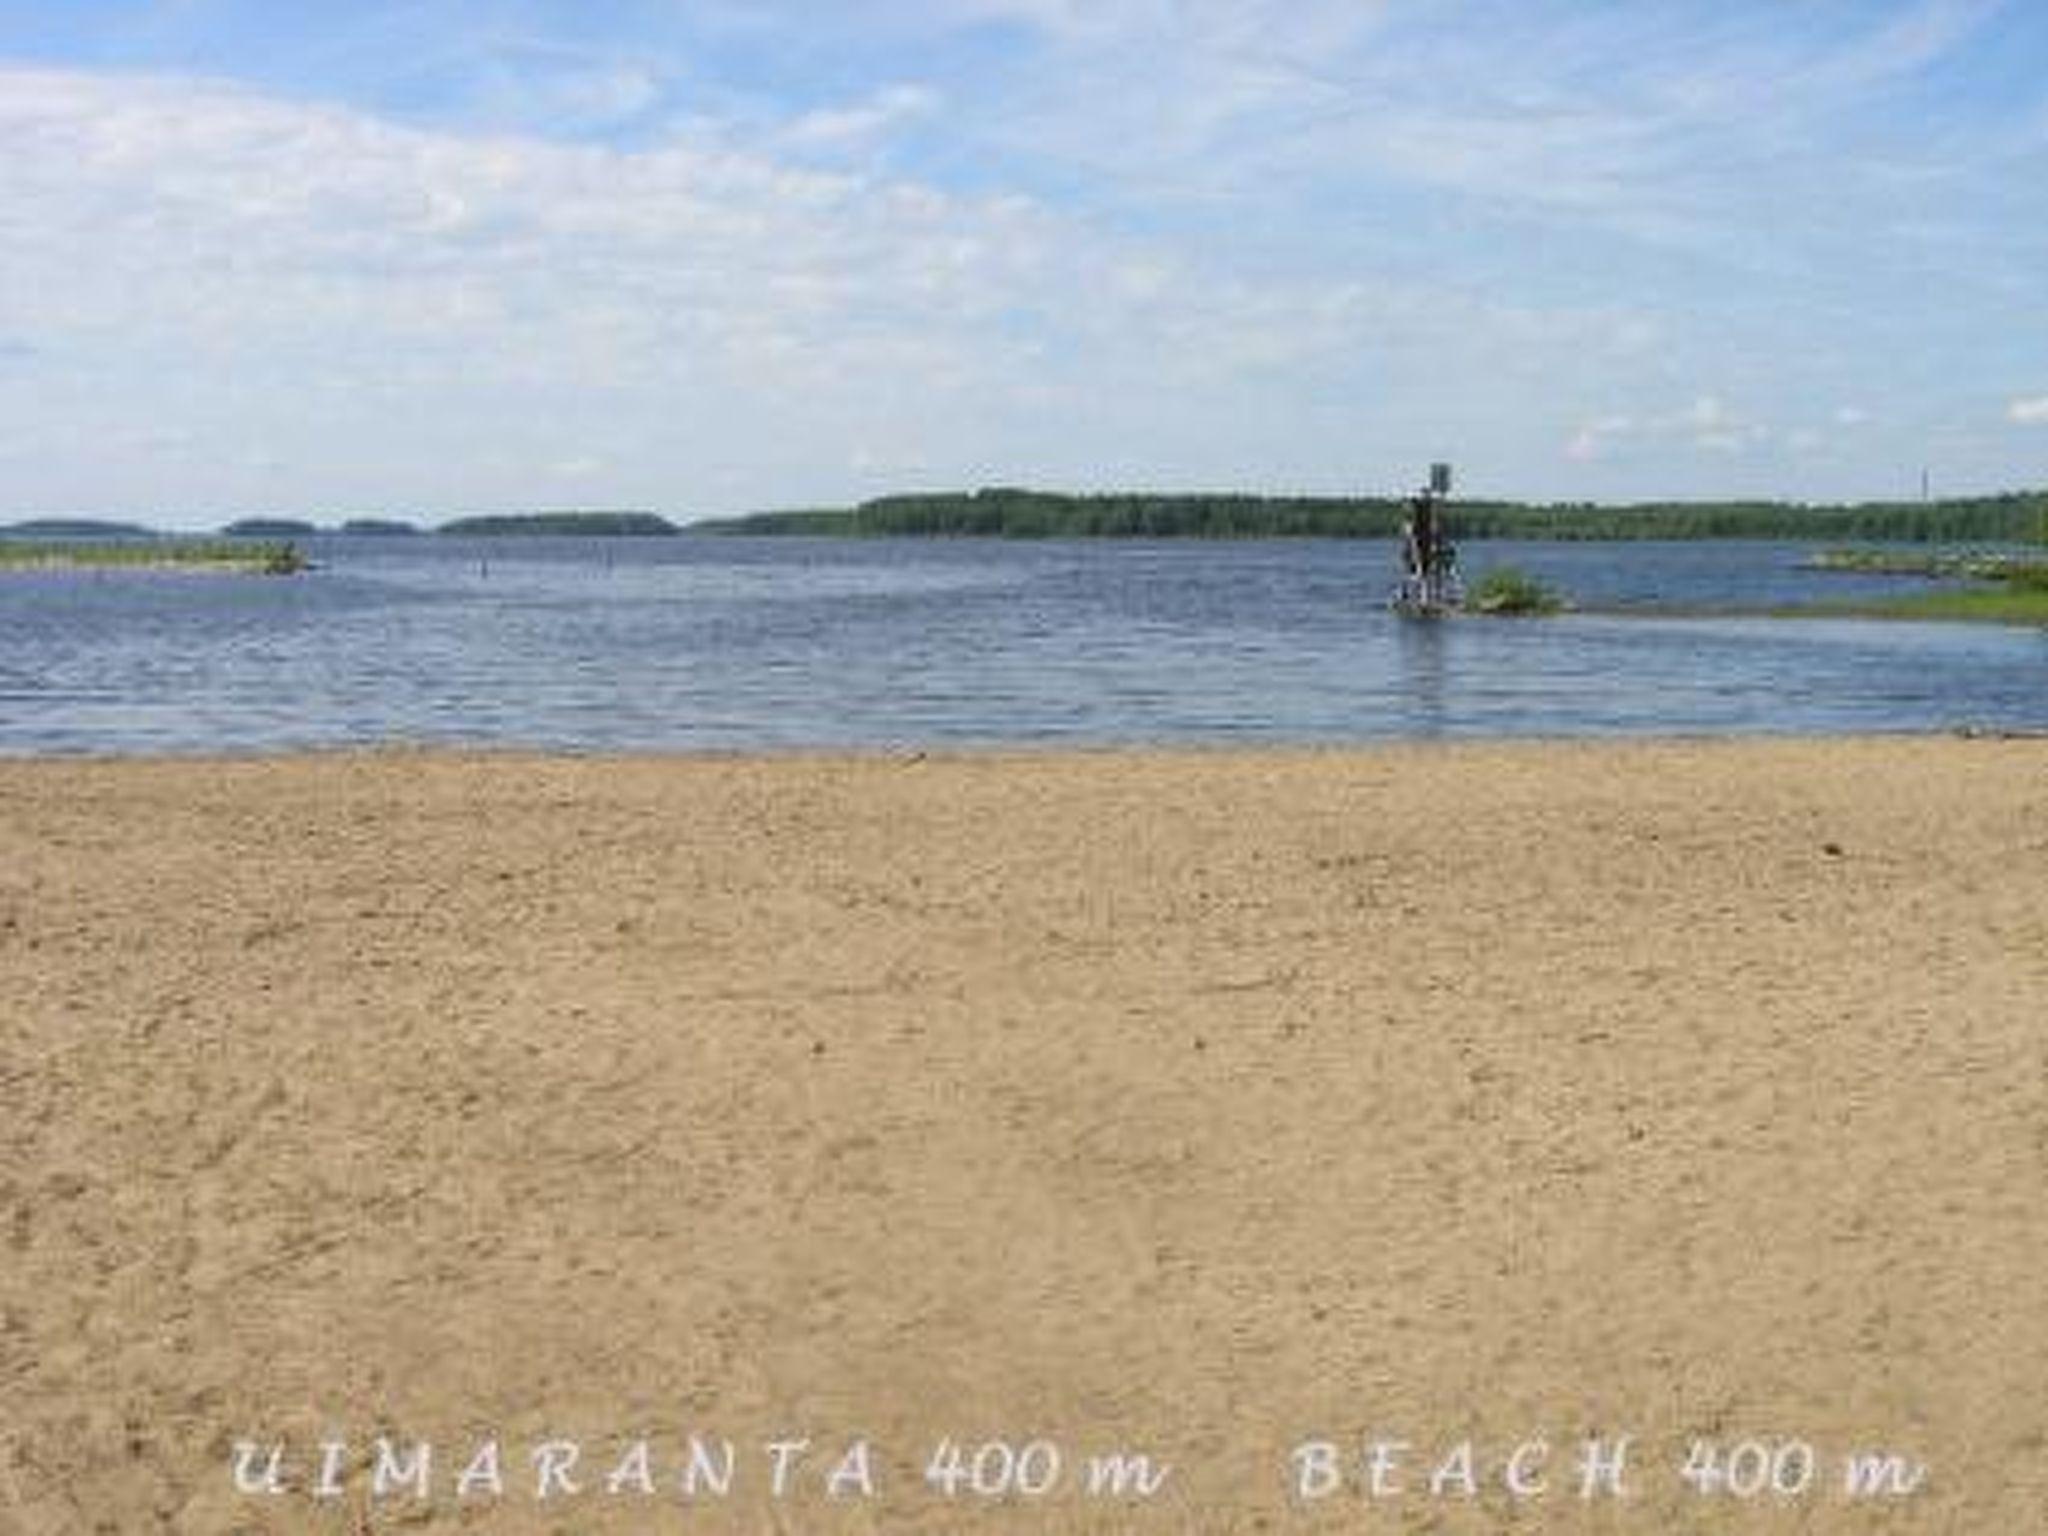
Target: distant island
column 378, row 526
column 268, row 528
column 1007, row 512
column 74, row 528
column 580, row 524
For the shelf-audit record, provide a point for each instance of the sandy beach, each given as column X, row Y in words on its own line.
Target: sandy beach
column 1268, row 1114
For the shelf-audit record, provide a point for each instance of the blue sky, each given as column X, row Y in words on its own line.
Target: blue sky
column 455, row 256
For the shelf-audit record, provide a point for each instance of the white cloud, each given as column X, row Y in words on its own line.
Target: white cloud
column 566, row 95
column 402, row 314
column 200, row 252
column 1668, row 127
column 2029, row 412
column 1594, row 438
column 604, row 95
column 1707, row 424
column 862, row 123
column 1272, row 241
column 1919, row 36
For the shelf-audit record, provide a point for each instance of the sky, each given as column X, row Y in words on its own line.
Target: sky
column 706, row 256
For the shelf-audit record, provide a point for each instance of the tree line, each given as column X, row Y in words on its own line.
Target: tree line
column 1005, row 512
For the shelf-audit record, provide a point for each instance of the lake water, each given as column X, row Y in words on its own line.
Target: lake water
column 721, row 643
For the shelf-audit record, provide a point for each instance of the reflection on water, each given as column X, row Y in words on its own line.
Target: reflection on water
column 747, row 643
column 1421, row 645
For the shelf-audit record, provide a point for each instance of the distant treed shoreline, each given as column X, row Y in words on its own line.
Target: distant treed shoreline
column 2013, row 517
column 1002, row 513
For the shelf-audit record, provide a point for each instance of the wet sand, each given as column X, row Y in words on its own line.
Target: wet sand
column 1206, row 1105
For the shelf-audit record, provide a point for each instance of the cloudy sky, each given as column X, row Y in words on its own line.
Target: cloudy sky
column 715, row 255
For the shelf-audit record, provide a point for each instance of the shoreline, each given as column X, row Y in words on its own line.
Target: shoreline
column 999, row 750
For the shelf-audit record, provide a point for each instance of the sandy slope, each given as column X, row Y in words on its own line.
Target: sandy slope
column 1202, row 1104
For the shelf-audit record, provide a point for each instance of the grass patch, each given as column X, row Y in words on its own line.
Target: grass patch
column 2008, row 591
column 2006, row 603
column 2029, row 577
column 1504, row 590
column 266, row 559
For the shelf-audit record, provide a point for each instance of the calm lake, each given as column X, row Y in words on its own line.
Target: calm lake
column 729, row 643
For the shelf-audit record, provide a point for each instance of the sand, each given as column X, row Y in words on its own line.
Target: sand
column 1505, row 1097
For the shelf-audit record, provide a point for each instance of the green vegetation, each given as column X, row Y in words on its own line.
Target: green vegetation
column 1988, row 605
column 1910, row 562
column 269, row 559
column 1012, row 513
column 377, row 525
column 268, row 528
column 2006, row 591
column 1510, row 592
column 282, row 560
column 584, row 524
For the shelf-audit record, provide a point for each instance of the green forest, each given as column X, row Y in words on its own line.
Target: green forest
column 1010, row 513
column 578, row 524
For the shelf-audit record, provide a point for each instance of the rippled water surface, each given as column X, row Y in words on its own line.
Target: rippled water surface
column 740, row 643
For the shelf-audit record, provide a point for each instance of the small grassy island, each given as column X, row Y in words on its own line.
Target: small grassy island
column 1507, row 592
column 232, row 556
